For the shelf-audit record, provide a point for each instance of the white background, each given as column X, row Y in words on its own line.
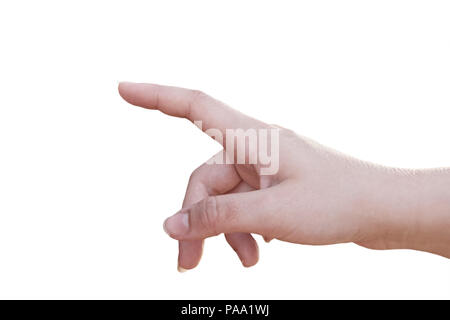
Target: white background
column 86, row 180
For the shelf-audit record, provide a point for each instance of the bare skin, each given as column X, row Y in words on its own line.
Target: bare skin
column 318, row 196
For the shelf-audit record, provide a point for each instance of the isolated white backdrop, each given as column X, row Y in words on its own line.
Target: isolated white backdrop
column 86, row 180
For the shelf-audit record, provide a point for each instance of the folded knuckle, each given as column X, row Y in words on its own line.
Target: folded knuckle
column 210, row 218
column 194, row 175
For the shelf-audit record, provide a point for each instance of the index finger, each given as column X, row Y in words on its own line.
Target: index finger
column 190, row 104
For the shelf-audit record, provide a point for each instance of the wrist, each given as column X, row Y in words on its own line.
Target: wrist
column 409, row 209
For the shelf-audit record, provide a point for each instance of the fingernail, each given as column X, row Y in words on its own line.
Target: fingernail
column 177, row 225
column 181, row 269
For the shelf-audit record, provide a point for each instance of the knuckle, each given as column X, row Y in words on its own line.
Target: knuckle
column 194, row 176
column 197, row 94
column 287, row 132
column 196, row 98
column 210, row 217
column 284, row 132
column 276, row 126
column 218, row 215
column 157, row 94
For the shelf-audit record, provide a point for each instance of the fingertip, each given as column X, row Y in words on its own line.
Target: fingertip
column 245, row 247
column 181, row 269
column 248, row 263
column 252, row 259
column 122, row 89
column 122, row 84
column 177, row 226
column 189, row 253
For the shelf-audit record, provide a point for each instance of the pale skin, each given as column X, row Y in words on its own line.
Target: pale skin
column 318, row 196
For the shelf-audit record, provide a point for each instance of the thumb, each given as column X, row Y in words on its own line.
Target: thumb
column 250, row 212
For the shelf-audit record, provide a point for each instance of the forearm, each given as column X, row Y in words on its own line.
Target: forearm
column 411, row 210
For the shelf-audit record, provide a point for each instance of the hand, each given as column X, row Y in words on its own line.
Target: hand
column 318, row 196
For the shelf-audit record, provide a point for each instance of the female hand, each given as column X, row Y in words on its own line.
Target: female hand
column 317, row 196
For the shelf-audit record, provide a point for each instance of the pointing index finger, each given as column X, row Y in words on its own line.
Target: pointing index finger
column 185, row 103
